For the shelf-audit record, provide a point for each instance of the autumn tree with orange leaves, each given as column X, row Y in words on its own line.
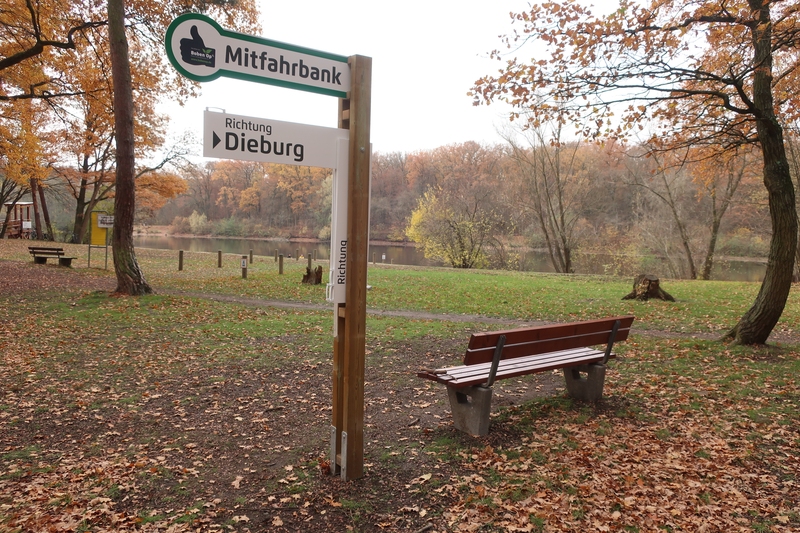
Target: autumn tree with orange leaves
column 713, row 74
column 105, row 55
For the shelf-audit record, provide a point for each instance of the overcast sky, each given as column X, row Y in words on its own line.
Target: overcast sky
column 425, row 57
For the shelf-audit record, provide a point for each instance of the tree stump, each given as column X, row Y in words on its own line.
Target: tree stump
column 647, row 286
column 313, row 278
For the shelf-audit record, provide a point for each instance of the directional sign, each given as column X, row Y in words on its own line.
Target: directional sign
column 271, row 141
column 202, row 51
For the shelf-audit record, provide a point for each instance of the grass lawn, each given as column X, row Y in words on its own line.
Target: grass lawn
column 206, row 408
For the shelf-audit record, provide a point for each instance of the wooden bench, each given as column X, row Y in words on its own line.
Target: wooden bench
column 42, row 253
column 518, row 352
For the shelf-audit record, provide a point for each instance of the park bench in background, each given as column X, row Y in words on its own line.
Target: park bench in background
column 518, row 352
column 42, row 253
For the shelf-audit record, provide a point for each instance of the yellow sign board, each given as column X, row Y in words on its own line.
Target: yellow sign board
column 99, row 235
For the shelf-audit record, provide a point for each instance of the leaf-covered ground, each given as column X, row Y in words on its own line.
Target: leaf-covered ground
column 177, row 413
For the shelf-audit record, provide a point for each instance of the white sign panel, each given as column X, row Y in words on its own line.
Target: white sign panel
column 337, row 279
column 202, row 51
column 270, row 141
column 105, row 221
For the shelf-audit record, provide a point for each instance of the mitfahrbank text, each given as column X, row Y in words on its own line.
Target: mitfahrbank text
column 279, row 65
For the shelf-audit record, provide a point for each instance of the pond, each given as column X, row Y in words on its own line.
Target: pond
column 534, row 261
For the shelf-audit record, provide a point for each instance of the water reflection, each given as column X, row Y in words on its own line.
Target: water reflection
column 398, row 255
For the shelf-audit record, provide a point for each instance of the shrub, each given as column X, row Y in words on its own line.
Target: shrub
column 180, row 225
column 229, row 227
column 199, row 224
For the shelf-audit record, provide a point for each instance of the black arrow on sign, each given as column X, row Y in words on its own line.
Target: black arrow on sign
column 214, row 139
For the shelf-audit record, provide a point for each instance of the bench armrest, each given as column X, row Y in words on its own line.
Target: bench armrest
column 498, row 351
column 611, row 339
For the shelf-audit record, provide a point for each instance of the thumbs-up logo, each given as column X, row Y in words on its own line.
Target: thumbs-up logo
column 194, row 51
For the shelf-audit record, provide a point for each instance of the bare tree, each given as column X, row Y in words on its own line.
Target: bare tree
column 552, row 191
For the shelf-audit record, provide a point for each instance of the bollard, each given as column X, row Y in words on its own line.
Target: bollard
column 280, row 264
column 180, row 260
column 297, row 254
column 315, row 255
column 309, row 261
column 373, row 258
column 219, row 258
column 244, row 267
column 251, row 256
column 276, row 255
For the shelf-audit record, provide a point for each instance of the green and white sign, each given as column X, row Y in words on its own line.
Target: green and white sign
column 202, row 51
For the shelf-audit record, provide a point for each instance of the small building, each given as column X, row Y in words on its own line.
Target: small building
column 20, row 224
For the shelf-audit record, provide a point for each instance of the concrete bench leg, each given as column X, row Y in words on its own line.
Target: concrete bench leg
column 65, row 261
column 471, row 407
column 40, row 260
column 585, row 382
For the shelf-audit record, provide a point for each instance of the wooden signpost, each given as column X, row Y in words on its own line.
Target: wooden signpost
column 349, row 345
column 201, row 50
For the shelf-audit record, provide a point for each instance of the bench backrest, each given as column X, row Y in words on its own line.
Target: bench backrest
column 543, row 339
column 45, row 249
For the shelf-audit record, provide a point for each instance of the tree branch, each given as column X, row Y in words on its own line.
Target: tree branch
column 40, row 44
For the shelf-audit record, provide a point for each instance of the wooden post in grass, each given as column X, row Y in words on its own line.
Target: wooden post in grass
column 244, row 267
column 180, row 260
column 219, row 258
column 349, row 345
column 251, row 256
column 280, row 264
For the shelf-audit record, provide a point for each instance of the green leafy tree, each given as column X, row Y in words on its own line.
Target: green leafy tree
column 458, row 238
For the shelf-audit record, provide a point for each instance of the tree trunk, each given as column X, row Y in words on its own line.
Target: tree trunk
column 794, row 160
column 130, row 279
column 757, row 323
column 708, row 264
column 35, row 198
column 79, row 227
column 313, row 277
column 4, row 227
column 46, row 213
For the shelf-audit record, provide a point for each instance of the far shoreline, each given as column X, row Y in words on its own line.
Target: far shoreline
column 163, row 231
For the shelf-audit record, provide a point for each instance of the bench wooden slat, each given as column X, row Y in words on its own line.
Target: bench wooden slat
column 545, row 359
column 464, row 376
column 544, row 339
column 53, row 252
column 522, row 370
